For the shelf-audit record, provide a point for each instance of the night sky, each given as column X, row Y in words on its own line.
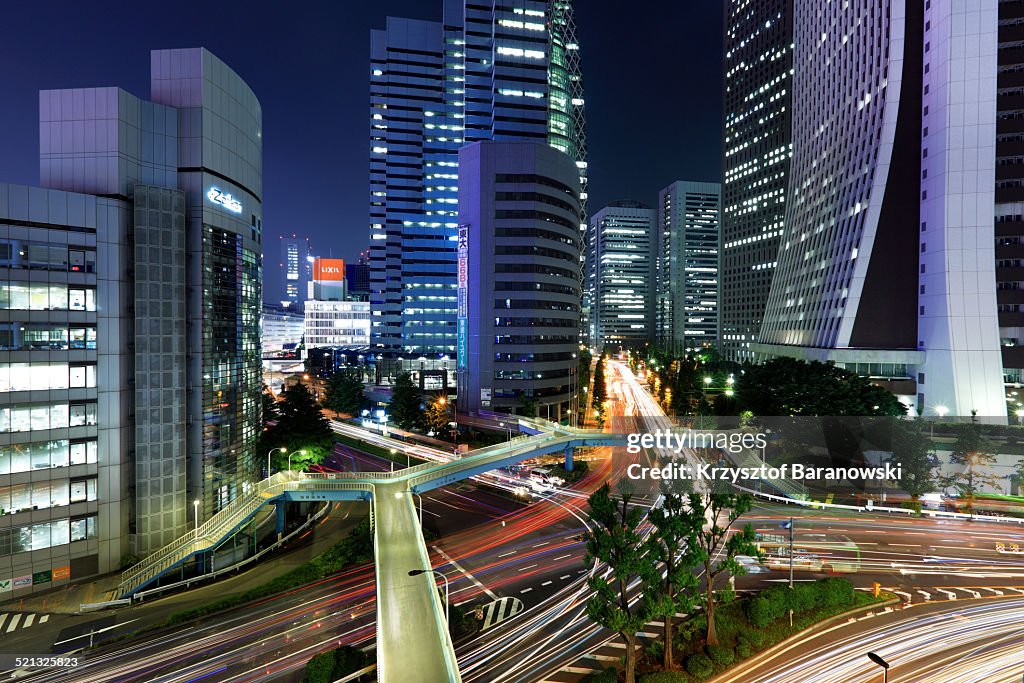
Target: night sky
column 652, row 78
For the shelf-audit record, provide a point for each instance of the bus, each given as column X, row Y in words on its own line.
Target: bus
column 832, row 556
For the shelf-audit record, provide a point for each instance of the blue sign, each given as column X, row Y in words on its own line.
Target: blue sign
column 463, row 343
column 224, row 199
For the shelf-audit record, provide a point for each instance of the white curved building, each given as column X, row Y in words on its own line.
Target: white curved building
column 886, row 262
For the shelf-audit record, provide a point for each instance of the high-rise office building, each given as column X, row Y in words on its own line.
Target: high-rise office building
column 487, row 71
column 886, row 264
column 757, row 107
column 357, row 276
column 295, row 272
column 689, row 233
column 129, row 373
column 622, row 271
column 1009, row 213
column 519, row 287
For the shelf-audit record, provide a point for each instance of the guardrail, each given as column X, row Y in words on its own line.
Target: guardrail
column 879, row 508
column 142, row 595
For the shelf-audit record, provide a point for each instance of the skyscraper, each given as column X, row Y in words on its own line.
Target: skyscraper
column 130, row 351
column 487, row 71
column 519, row 286
column 687, row 300
column 755, row 162
column 622, row 269
column 295, row 272
column 886, row 264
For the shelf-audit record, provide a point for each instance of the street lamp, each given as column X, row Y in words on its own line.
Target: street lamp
column 882, row 663
column 1020, row 415
column 282, row 449
column 417, row 572
column 302, row 452
column 195, row 514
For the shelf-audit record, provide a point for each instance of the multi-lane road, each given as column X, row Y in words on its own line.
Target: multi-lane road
column 495, row 551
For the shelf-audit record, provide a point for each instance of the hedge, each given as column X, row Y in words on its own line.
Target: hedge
column 665, row 677
column 775, row 602
column 700, row 665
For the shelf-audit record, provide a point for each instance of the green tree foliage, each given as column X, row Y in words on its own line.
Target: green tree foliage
column 437, row 416
column 344, row 393
column 300, row 426
column 616, row 541
column 406, row 404
column 599, row 394
column 527, row 406
column 336, row 664
column 912, row 451
column 709, row 519
column 668, row 544
column 786, row 386
column 974, row 452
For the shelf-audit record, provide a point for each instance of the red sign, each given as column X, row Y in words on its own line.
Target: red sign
column 61, row 573
column 328, row 269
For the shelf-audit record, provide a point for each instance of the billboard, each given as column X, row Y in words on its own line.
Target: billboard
column 328, row 269
column 462, row 317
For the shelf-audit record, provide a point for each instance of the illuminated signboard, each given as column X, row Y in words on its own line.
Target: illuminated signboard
column 463, row 298
column 224, row 199
column 328, row 269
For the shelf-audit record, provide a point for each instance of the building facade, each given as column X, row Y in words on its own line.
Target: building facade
column 337, row 323
column 132, row 297
column 885, row 272
column 757, row 107
column 487, row 71
column 687, row 301
column 519, row 282
column 282, row 330
column 295, row 272
column 622, row 271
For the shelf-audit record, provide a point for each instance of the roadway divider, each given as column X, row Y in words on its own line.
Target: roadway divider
column 815, row 505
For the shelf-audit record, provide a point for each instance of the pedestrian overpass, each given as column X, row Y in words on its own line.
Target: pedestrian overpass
column 413, row 643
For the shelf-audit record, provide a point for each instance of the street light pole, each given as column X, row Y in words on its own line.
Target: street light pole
column 195, row 513
column 882, row 663
column 417, row 572
column 283, row 449
column 790, row 553
column 290, row 459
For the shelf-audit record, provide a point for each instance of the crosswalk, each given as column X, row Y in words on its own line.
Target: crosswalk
column 500, row 610
column 10, row 622
column 937, row 593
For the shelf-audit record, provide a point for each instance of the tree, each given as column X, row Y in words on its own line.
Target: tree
column 616, row 541
column 598, row 395
column 436, row 417
column 668, row 545
column 786, row 386
column 912, row 451
column 708, row 541
column 527, row 405
column 973, row 450
column 344, row 393
column 405, row 405
column 300, row 426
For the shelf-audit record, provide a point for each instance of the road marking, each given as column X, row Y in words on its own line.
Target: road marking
column 491, row 594
column 46, row 617
column 560, row 578
column 562, row 557
column 926, row 594
column 523, row 569
column 542, row 544
column 904, row 545
column 949, row 594
column 1017, row 590
column 995, row 591
column 908, row 596
column 500, row 610
column 507, row 554
column 548, row 583
column 525, row 590
column 14, row 623
column 3, row 618
column 29, row 619
column 973, row 593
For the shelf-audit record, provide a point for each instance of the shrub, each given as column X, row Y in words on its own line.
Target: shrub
column 609, row 675
column 721, row 655
column 914, row 505
column 320, row 669
column 834, row 592
column 655, row 650
column 802, row 598
column 699, row 665
column 665, row 677
column 743, row 647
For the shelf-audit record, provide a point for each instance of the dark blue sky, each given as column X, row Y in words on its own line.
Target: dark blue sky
column 652, row 75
